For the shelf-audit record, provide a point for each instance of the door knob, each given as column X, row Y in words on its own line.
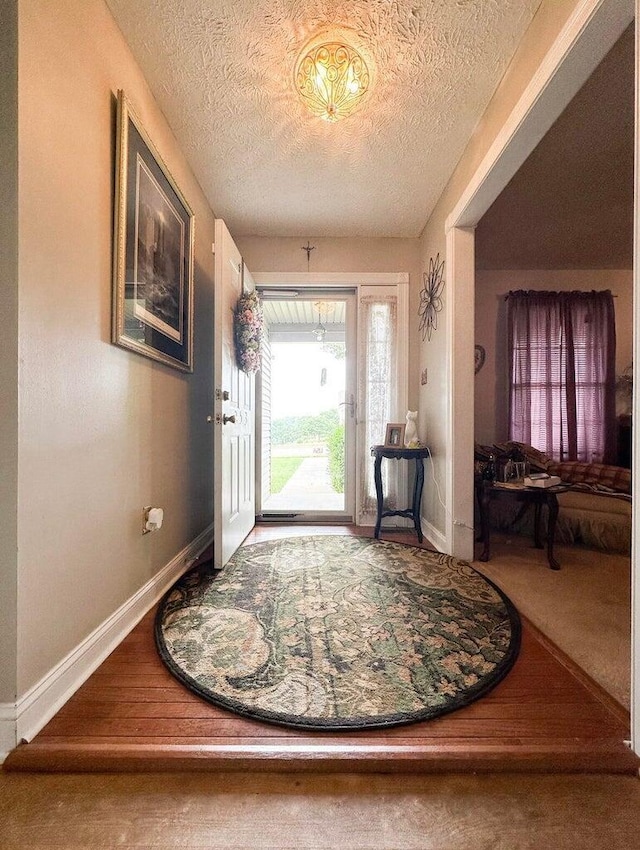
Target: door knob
column 226, row 419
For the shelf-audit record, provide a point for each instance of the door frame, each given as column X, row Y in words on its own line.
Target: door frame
column 354, row 281
column 588, row 35
column 350, row 297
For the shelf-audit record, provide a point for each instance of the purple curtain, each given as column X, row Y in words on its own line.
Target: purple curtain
column 562, row 373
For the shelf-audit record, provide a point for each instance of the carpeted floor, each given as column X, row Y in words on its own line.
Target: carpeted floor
column 338, row 632
column 584, row 608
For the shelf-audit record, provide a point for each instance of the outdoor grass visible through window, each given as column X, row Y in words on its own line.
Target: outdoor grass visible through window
column 304, row 421
column 282, row 468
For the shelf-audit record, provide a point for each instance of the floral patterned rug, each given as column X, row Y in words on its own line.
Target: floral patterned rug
column 337, row 632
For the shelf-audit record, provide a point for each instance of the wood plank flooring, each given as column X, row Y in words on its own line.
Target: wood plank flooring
column 132, row 715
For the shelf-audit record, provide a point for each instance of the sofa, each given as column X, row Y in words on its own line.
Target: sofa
column 595, row 512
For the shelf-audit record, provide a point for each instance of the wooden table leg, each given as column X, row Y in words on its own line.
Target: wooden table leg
column 552, row 503
column 537, row 518
column 485, row 502
column 417, row 497
column 478, row 492
column 377, row 477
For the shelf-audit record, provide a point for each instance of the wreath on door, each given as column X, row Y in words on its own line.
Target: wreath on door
column 248, row 330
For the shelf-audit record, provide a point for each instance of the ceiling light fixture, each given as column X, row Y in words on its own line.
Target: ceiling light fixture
column 331, row 79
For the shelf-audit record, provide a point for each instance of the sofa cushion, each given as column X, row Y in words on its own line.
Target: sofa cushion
column 601, row 503
column 601, row 476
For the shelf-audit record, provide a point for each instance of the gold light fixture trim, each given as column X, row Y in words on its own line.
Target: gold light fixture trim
column 332, row 78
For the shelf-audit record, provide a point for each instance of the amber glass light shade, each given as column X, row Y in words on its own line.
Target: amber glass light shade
column 331, row 80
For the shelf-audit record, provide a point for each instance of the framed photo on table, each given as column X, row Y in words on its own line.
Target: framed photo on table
column 394, row 437
column 153, row 251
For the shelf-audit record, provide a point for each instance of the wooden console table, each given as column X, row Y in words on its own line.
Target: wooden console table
column 393, row 453
column 536, row 496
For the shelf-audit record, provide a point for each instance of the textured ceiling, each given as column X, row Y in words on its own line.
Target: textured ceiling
column 222, row 72
column 571, row 203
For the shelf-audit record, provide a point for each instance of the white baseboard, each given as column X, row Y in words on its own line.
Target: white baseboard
column 33, row 710
column 434, row 535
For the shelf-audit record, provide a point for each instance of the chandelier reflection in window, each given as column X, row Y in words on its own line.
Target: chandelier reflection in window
column 323, row 308
column 319, row 331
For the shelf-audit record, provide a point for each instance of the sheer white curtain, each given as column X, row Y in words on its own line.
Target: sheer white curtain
column 377, row 394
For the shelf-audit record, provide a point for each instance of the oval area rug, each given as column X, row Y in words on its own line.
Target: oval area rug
column 338, row 632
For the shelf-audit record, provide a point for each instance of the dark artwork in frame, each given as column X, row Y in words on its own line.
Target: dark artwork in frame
column 153, row 251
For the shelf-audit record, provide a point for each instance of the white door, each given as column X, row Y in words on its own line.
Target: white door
column 234, row 417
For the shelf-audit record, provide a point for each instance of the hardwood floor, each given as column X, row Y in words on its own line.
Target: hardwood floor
column 132, row 715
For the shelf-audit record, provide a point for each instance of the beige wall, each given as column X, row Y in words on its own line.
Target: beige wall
column 433, row 400
column 266, row 254
column 8, row 345
column 491, row 383
column 103, row 431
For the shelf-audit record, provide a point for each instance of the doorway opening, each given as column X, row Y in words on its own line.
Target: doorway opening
column 580, row 47
column 306, row 407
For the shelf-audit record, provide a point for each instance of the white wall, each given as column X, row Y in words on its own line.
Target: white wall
column 8, row 345
column 270, row 254
column 491, row 412
column 103, row 431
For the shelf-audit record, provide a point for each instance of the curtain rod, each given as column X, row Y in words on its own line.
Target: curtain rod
column 559, row 292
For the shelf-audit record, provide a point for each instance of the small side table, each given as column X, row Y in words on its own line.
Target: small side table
column 536, row 496
column 393, row 453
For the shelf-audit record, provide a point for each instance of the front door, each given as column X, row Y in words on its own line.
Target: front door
column 234, row 417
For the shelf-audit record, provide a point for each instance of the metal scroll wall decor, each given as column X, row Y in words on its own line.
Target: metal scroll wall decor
column 431, row 297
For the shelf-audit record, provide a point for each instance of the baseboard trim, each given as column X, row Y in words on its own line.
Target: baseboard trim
column 433, row 535
column 33, row 710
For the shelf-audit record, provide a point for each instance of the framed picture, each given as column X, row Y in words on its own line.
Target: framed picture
column 394, row 437
column 153, row 251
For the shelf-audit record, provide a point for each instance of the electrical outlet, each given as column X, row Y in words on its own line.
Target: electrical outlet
column 145, row 517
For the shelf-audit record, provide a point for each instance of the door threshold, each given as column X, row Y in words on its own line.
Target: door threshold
column 306, row 519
